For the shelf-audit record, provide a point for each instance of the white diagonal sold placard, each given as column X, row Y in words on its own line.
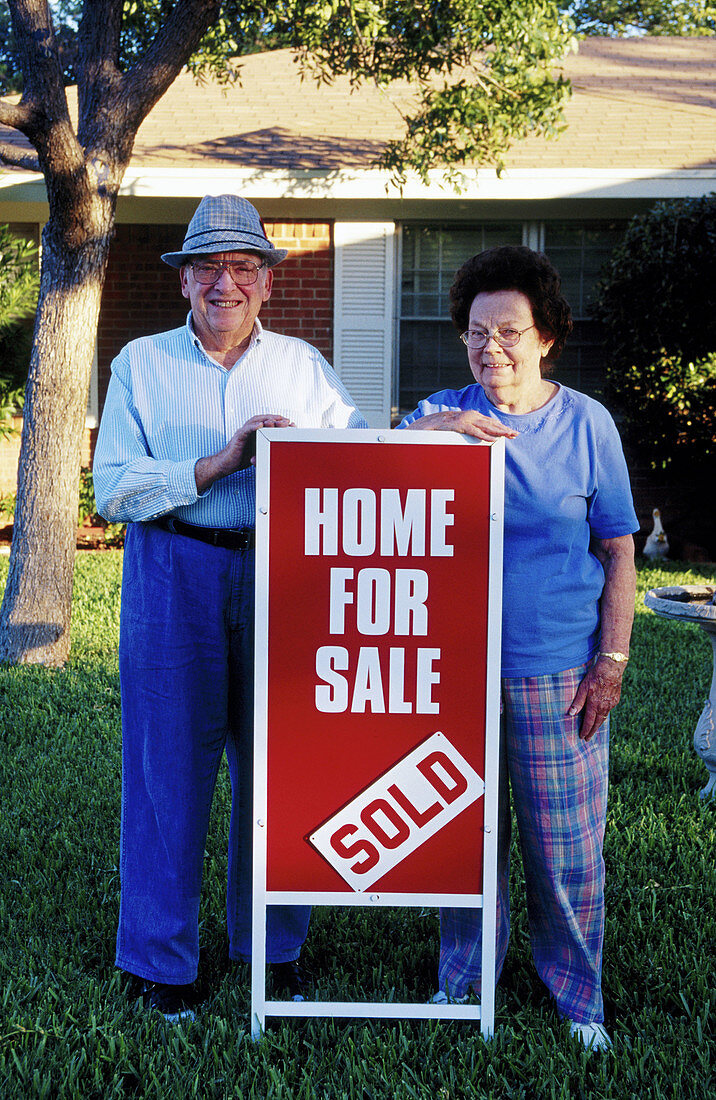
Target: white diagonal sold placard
column 397, row 813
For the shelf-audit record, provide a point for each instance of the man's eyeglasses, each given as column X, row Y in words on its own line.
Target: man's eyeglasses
column 243, row 272
column 505, row 337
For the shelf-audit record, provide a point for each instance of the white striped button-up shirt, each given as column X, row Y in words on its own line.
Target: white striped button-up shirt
column 169, row 404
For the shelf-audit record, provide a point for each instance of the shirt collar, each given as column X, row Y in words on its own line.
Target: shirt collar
column 256, row 335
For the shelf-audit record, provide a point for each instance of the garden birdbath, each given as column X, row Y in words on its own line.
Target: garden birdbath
column 694, row 603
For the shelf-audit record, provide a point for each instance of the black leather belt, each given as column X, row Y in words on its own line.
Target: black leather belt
column 227, row 538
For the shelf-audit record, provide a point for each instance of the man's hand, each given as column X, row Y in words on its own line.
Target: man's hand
column 238, row 453
column 597, row 694
column 467, row 421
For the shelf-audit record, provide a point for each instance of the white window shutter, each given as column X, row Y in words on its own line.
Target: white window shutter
column 364, row 298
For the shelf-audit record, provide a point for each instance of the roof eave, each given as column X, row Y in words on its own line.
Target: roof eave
column 476, row 184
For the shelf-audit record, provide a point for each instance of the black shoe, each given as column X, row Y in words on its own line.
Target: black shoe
column 173, row 1001
column 289, row 978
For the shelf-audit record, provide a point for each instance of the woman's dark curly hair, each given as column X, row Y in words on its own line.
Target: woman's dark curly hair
column 514, row 267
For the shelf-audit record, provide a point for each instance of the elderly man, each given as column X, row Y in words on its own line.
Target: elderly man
column 173, row 459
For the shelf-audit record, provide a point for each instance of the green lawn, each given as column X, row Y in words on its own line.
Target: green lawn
column 67, row 1028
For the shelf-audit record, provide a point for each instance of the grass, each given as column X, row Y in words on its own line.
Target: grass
column 68, row 1030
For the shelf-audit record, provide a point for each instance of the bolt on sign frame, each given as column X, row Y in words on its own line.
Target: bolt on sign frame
column 378, row 624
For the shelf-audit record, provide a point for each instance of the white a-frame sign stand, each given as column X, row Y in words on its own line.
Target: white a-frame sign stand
column 378, row 611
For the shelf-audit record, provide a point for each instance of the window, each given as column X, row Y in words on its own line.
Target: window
column 430, row 355
column 579, row 252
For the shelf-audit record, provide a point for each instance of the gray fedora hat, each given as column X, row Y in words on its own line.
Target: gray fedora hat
column 225, row 223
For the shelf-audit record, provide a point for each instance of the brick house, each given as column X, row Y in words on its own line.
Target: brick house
column 367, row 277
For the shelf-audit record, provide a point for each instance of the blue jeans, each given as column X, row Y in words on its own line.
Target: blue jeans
column 186, row 672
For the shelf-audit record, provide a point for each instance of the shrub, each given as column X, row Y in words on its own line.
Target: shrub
column 655, row 300
column 7, row 507
column 656, row 303
column 670, row 403
column 19, row 283
column 87, row 511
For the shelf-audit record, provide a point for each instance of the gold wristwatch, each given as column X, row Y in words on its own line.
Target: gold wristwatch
column 620, row 658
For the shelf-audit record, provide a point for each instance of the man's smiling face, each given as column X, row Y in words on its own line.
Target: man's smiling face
column 224, row 314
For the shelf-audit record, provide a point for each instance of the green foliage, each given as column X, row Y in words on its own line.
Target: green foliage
column 8, row 502
column 11, row 399
column 655, row 17
column 671, row 403
column 242, row 27
column 87, row 511
column 86, row 505
column 19, row 279
column 656, row 302
column 19, row 284
column 484, row 73
column 69, row 1032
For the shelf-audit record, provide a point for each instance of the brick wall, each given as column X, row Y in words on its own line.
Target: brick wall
column 301, row 302
column 142, row 294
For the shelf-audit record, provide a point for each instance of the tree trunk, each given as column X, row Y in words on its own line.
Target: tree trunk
column 82, row 171
column 36, row 610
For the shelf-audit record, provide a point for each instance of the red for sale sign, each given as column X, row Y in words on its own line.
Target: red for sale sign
column 378, row 610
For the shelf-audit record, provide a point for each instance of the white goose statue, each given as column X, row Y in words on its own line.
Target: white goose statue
column 657, row 544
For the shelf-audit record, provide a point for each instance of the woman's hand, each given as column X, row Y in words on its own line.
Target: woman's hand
column 601, row 688
column 466, row 421
column 598, row 693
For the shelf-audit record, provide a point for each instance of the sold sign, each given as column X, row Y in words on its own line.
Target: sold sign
column 378, row 589
column 397, row 813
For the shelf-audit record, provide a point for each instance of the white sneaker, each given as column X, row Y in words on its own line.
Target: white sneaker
column 441, row 998
column 592, row 1036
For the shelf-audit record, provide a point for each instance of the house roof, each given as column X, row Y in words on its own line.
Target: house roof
column 641, row 124
column 639, row 102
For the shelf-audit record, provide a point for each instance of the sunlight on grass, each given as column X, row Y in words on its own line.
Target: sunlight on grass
column 68, row 1030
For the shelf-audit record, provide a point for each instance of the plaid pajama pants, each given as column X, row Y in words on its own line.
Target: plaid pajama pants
column 559, row 790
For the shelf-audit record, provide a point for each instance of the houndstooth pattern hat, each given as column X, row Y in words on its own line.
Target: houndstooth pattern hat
column 225, row 223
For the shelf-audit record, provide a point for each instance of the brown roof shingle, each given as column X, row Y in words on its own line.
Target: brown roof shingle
column 646, row 103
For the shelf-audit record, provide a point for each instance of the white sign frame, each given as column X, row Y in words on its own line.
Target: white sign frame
column 483, row 1012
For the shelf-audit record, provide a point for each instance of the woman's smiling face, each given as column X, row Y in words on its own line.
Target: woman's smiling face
column 506, row 374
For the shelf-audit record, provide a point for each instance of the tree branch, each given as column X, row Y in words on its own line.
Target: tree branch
column 45, row 120
column 98, row 72
column 146, row 82
column 17, row 157
column 19, row 116
column 39, row 60
column 99, row 30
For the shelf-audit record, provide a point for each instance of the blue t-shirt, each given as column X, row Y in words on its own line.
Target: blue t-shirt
column 565, row 481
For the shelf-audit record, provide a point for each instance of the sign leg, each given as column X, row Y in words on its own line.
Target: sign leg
column 258, row 937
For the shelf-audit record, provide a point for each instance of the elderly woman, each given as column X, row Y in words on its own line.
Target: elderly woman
column 568, row 605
